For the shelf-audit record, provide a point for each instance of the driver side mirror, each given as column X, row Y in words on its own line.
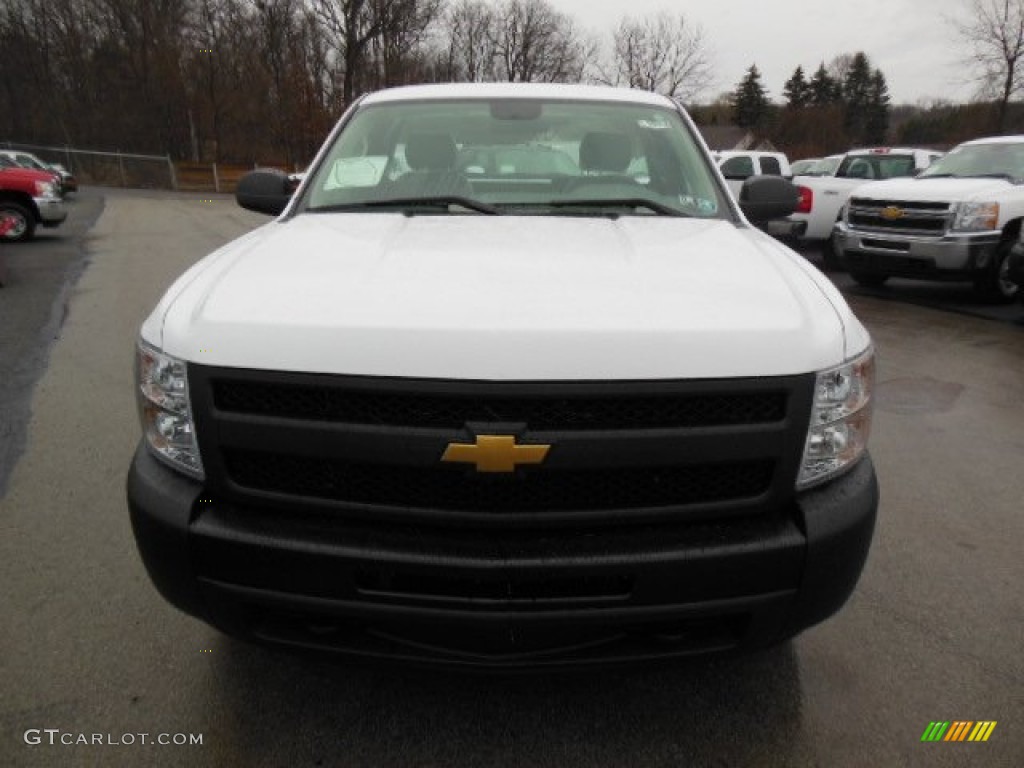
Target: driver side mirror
column 264, row 191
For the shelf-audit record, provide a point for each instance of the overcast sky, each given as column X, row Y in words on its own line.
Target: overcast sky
column 909, row 40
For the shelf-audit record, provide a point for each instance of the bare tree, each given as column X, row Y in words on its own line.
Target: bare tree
column 535, row 43
column 839, row 68
column 471, row 27
column 662, row 53
column 350, row 27
column 994, row 30
column 402, row 28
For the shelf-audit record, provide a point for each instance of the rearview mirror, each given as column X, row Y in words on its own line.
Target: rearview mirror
column 763, row 198
column 264, row 191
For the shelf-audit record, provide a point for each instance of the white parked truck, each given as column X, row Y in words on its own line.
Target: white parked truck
column 511, row 380
column 739, row 165
column 958, row 220
column 822, row 197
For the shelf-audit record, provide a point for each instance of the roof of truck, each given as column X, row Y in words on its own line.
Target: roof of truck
column 560, row 91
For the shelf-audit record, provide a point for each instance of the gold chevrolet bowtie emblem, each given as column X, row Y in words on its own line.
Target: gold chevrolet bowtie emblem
column 891, row 213
column 495, row 453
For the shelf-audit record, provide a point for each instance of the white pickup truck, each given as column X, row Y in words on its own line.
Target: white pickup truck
column 482, row 396
column 958, row 220
column 822, row 197
column 739, row 165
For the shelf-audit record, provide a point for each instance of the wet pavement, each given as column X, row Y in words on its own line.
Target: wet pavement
column 32, row 308
column 933, row 632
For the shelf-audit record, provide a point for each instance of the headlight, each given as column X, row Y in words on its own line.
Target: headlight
column 976, row 217
column 162, row 392
column 46, row 189
column 840, row 420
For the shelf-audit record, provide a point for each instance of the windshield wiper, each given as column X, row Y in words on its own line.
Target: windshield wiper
column 624, row 202
column 412, row 202
column 1007, row 176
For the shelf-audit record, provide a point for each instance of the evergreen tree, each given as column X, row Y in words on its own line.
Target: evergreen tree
column 822, row 89
column 797, row 90
column 750, row 100
column 856, row 97
column 877, row 122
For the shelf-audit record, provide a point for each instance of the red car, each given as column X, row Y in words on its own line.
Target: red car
column 30, row 199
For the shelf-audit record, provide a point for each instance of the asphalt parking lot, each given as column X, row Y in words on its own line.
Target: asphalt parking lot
column 935, row 630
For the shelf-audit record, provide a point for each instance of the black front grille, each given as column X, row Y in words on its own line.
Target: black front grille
column 542, row 413
column 622, row 452
column 527, row 491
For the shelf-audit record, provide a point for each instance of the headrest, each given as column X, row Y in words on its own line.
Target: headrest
column 860, row 169
column 430, row 151
column 608, row 152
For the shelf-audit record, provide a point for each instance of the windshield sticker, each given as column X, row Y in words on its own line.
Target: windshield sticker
column 659, row 123
column 701, row 204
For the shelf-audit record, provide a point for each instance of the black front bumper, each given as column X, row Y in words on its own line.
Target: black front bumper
column 509, row 599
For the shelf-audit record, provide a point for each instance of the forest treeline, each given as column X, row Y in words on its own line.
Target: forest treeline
column 246, row 80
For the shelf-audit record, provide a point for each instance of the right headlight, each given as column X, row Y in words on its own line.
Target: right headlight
column 976, row 217
column 840, row 420
column 46, row 189
column 162, row 391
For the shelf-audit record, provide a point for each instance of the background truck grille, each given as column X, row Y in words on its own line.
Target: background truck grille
column 918, row 218
column 622, row 452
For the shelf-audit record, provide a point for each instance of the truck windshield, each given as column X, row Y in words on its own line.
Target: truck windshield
column 827, row 166
column 878, row 166
column 521, row 156
column 996, row 159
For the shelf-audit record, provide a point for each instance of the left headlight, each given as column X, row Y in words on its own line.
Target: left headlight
column 976, row 217
column 840, row 420
column 164, row 409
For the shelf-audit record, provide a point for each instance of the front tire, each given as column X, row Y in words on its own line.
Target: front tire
column 869, row 279
column 994, row 284
column 830, row 255
column 24, row 222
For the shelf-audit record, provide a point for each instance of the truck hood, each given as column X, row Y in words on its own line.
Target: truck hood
column 25, row 175
column 506, row 298
column 927, row 190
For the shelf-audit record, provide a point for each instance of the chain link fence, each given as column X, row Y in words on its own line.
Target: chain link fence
column 125, row 169
column 109, row 169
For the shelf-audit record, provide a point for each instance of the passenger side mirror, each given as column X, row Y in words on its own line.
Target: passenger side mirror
column 763, row 198
column 264, row 191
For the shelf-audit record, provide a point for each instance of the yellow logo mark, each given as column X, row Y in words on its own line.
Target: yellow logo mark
column 495, row 453
column 891, row 213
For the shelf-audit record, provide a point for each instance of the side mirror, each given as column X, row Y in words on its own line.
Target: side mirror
column 763, row 198
column 264, row 191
